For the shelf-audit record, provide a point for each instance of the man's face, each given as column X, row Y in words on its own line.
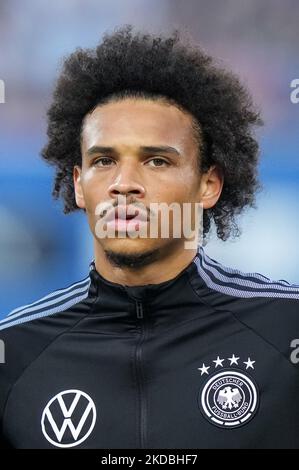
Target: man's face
column 152, row 157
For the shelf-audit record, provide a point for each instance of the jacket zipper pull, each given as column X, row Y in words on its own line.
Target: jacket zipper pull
column 139, row 309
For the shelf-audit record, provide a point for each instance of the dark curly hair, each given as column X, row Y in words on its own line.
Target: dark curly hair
column 127, row 63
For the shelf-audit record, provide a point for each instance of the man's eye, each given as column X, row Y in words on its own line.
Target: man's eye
column 160, row 161
column 104, row 161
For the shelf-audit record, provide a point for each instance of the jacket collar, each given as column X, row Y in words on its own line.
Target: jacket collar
column 101, row 287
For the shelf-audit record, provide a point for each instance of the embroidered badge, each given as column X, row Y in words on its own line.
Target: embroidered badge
column 229, row 397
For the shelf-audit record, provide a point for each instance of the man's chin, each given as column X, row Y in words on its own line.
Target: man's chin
column 126, row 257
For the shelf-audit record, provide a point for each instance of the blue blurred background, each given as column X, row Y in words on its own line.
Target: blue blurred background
column 41, row 249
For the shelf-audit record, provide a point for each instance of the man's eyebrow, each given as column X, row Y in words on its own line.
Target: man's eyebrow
column 100, row 149
column 145, row 149
column 162, row 148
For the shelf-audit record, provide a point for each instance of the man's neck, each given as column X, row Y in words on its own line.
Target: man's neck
column 165, row 267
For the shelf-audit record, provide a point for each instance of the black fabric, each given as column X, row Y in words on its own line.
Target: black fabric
column 134, row 358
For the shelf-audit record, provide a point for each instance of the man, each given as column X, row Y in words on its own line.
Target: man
column 160, row 346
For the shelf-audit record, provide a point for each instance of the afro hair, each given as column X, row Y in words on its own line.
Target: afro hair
column 141, row 64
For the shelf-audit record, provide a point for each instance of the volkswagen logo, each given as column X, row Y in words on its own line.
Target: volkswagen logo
column 68, row 418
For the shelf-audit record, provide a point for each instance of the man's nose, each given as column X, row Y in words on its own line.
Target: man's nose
column 126, row 183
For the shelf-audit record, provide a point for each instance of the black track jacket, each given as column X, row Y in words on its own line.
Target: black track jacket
column 204, row 360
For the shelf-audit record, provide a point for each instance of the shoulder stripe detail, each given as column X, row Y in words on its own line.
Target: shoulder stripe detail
column 53, row 295
column 40, row 308
column 235, row 273
column 213, row 276
column 45, row 313
column 244, row 282
column 254, row 278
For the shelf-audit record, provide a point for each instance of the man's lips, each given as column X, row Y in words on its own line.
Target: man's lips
column 127, row 213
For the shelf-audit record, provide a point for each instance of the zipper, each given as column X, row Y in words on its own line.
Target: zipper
column 139, row 309
column 139, row 374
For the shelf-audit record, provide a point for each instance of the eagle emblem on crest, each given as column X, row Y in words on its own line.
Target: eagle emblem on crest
column 229, row 398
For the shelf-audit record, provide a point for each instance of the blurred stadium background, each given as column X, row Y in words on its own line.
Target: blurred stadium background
column 41, row 249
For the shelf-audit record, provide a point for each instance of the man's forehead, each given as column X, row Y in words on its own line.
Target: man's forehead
column 141, row 121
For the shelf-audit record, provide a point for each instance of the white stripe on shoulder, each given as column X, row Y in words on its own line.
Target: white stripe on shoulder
column 62, row 291
column 44, row 313
column 242, row 284
column 39, row 305
column 245, row 282
column 243, row 275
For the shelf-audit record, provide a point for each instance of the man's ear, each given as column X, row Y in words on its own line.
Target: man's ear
column 211, row 185
column 79, row 196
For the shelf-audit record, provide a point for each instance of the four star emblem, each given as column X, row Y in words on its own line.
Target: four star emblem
column 219, row 363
